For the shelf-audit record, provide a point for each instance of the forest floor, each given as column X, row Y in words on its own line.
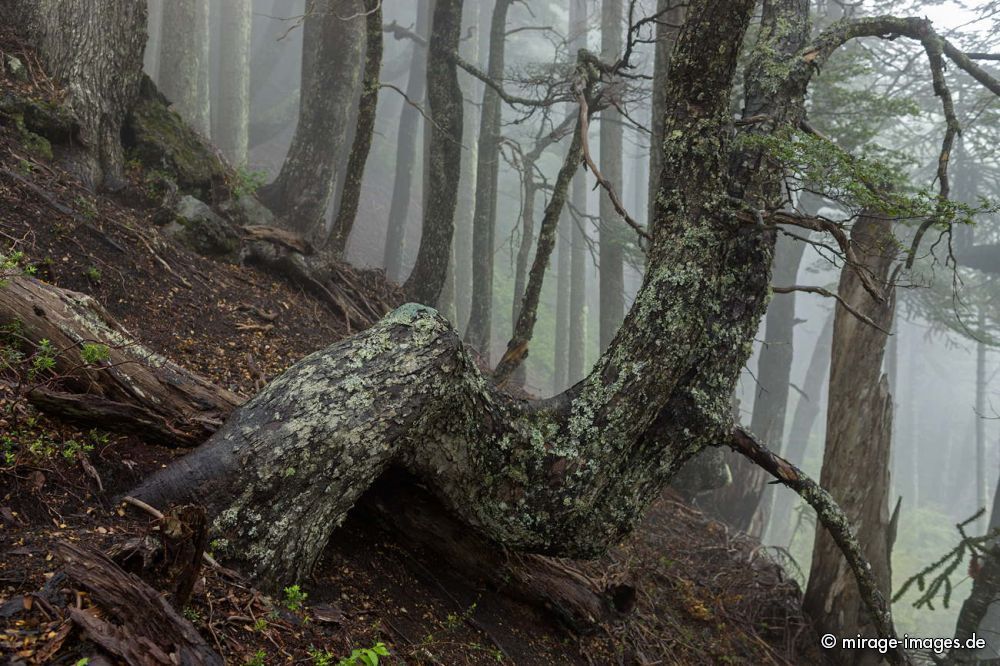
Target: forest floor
column 704, row 594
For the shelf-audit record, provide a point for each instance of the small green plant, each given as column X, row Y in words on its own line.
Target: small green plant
column 72, row 448
column 93, row 273
column 247, row 182
column 192, row 614
column 257, row 659
column 25, row 167
column 87, row 208
column 260, row 625
column 94, row 353
column 82, row 662
column 365, row 656
column 320, row 657
column 294, row 597
column 44, row 359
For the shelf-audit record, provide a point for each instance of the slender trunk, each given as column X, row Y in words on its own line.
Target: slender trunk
column 406, row 150
column 667, row 30
column 333, row 42
column 184, row 60
column 479, row 333
column 471, row 91
column 364, row 131
column 980, row 417
column 741, row 504
column 856, row 459
column 560, row 361
column 807, row 410
column 151, row 57
column 444, row 156
column 234, row 80
column 612, row 237
column 577, row 325
column 527, row 312
column 523, row 254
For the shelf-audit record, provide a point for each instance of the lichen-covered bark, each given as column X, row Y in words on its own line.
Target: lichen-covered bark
column 565, row 476
column 363, row 132
column 332, row 51
column 667, row 29
column 858, row 439
column 479, row 332
column 444, row 158
column 739, row 503
column 95, row 51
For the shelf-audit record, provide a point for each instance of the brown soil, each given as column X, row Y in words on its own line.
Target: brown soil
column 703, row 595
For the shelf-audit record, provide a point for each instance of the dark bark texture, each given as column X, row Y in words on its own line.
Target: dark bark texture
column 858, row 438
column 444, row 158
column 332, row 51
column 364, row 131
column 479, row 333
column 95, row 51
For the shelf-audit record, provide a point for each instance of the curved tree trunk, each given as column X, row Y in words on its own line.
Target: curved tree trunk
column 95, row 50
column 858, row 439
column 363, row 133
column 233, row 114
column 332, row 46
column 479, row 333
column 577, row 346
column 406, row 150
column 565, row 476
column 444, row 158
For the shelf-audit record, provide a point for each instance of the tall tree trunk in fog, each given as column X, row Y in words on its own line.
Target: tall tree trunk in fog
column 667, row 30
column 479, row 332
column 471, row 91
column 184, row 45
column 980, row 417
column 95, row 51
column 233, row 115
column 739, row 503
column 577, row 325
column 444, row 158
column 858, row 441
column 564, row 286
column 612, row 232
column 350, row 197
column 406, row 150
column 807, row 409
column 151, row 57
column 333, row 43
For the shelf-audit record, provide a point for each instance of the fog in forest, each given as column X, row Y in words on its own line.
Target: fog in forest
column 601, row 214
column 940, row 361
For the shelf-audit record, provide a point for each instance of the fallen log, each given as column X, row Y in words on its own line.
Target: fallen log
column 136, row 624
column 124, row 386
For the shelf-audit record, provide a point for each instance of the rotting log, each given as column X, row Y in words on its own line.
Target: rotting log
column 139, row 626
column 132, row 390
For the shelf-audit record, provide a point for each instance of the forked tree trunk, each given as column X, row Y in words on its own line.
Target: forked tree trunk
column 565, row 476
column 333, row 44
column 406, row 150
column 444, row 155
column 95, row 51
column 364, row 131
column 479, row 333
column 858, row 441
